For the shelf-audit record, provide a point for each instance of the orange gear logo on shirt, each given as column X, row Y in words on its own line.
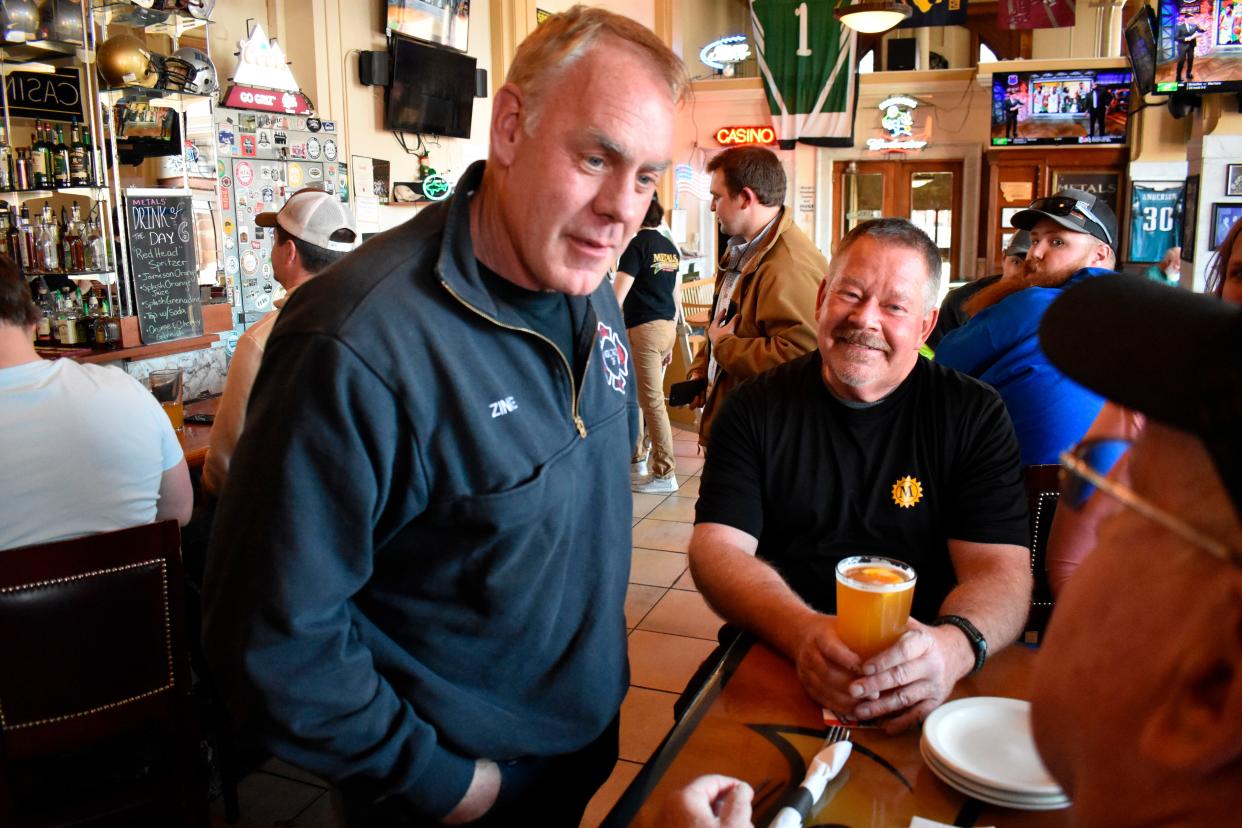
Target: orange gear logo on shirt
column 907, row 491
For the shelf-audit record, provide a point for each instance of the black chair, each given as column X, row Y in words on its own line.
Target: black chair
column 1043, row 490
column 97, row 723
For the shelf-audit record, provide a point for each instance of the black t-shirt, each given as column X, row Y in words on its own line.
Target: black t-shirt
column 816, row 480
column 952, row 316
column 652, row 260
column 546, row 312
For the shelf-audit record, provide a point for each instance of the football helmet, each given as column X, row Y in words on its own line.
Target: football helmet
column 123, row 60
column 19, row 20
column 197, row 8
column 60, row 20
column 188, row 70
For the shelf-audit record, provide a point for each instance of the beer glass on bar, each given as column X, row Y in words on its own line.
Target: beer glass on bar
column 873, row 602
column 167, row 386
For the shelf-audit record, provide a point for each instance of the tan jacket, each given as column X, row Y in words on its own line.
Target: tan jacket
column 775, row 296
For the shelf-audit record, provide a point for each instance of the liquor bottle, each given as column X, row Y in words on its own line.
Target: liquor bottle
column 14, row 240
column 26, row 245
column 60, row 158
column 58, row 309
column 79, row 159
column 5, row 250
column 39, row 172
column 43, row 329
column 95, row 251
column 74, row 245
column 92, row 164
column 21, row 170
column 47, row 253
column 6, row 161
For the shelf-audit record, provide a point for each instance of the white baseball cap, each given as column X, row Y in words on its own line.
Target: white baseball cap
column 313, row 215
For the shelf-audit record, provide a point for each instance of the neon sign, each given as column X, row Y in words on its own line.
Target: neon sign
column 730, row 136
column 897, row 119
column 726, row 51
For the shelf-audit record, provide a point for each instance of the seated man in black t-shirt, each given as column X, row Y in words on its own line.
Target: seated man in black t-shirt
column 864, row 448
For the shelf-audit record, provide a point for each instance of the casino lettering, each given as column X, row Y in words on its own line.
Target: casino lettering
column 729, row 136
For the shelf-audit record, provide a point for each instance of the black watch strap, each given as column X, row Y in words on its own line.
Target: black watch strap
column 977, row 642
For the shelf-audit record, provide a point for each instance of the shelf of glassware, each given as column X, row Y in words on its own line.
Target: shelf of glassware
column 14, row 55
column 84, row 191
column 125, row 13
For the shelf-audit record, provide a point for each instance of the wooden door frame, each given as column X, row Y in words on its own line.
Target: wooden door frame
column 897, row 175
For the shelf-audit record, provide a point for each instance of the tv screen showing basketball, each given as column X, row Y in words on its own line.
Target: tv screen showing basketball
column 1089, row 106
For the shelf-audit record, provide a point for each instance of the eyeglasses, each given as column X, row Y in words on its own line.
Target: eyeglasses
column 1065, row 206
column 1084, row 470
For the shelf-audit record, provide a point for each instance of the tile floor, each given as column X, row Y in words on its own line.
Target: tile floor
column 671, row 631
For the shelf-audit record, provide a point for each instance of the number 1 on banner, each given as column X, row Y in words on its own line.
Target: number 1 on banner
column 803, row 49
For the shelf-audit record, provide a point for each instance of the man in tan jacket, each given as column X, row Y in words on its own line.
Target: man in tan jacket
column 763, row 313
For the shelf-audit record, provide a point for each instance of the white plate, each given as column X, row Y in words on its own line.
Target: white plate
column 930, row 759
column 992, row 797
column 987, row 740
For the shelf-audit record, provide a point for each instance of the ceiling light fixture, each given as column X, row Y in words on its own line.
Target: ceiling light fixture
column 872, row 17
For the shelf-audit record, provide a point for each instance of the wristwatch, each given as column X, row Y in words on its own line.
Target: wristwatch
column 977, row 642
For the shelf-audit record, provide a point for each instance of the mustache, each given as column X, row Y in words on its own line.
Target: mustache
column 857, row 336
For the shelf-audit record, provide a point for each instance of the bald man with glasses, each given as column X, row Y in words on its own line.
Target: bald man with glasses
column 1138, row 695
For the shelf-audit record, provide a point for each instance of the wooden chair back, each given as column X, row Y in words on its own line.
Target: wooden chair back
column 94, row 660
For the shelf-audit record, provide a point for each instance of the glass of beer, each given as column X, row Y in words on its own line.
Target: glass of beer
column 873, row 602
column 168, row 388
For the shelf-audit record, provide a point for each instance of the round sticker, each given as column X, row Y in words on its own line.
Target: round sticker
column 267, row 287
column 313, row 124
column 249, row 263
column 262, row 301
column 329, row 149
column 226, row 182
column 267, row 270
column 228, row 227
column 295, row 175
column 316, row 173
column 230, row 265
column 228, row 243
column 268, row 194
column 312, row 147
column 244, row 173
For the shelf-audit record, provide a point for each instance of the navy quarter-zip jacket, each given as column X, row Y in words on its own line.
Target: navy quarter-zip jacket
column 422, row 554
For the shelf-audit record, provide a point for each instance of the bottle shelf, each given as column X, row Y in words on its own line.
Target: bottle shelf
column 88, row 190
column 173, row 23
column 37, row 51
column 73, row 274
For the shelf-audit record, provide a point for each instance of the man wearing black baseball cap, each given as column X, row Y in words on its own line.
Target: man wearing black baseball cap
column 1073, row 237
column 1137, row 704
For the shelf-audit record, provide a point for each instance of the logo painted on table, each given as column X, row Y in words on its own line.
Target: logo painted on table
column 907, row 491
column 615, row 358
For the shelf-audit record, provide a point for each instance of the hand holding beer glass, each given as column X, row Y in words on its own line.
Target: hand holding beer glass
column 874, row 595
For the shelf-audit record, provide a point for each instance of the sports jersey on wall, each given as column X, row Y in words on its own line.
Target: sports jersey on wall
column 806, row 58
column 1155, row 221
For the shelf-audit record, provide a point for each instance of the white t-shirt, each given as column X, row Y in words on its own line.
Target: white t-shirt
column 82, row 450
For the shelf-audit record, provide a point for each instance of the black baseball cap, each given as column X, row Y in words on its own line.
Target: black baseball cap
column 1095, row 329
column 1074, row 210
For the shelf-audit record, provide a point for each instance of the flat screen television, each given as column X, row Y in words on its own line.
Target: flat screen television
column 437, row 21
column 1141, row 46
column 1087, row 106
column 431, row 90
column 1200, row 46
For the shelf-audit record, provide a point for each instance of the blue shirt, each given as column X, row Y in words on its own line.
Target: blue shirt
column 1000, row 345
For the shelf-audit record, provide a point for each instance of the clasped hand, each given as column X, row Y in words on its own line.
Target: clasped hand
column 910, row 679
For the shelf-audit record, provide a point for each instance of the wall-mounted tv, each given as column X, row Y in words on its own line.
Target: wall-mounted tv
column 431, row 91
column 1141, row 46
column 437, row 21
column 1088, row 106
column 1200, row 46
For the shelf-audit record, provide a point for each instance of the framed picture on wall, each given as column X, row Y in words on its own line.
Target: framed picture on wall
column 1103, row 184
column 1233, row 180
column 1190, row 215
column 1223, row 218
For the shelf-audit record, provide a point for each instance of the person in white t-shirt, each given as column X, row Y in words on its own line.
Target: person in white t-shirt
column 313, row 230
column 86, row 448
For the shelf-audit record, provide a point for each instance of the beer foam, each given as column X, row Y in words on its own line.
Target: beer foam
column 876, row 576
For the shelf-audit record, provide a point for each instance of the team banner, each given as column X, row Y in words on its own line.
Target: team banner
column 935, row 13
column 1034, row 14
column 806, row 58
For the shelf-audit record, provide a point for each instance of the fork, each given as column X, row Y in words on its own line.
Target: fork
column 824, row 767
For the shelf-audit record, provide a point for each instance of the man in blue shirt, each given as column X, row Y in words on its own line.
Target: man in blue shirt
column 1073, row 238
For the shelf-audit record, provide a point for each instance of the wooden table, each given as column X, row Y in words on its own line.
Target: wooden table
column 195, row 438
column 754, row 722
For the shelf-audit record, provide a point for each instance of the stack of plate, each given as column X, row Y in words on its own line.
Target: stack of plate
column 983, row 747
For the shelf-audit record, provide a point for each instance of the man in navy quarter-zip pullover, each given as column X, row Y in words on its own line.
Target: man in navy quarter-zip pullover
column 415, row 587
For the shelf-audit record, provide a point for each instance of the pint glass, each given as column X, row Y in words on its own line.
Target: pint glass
column 873, row 602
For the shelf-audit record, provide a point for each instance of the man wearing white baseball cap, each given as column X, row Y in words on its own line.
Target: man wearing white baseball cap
column 313, row 230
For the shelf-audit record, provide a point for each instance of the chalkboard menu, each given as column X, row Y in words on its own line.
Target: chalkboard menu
column 163, row 267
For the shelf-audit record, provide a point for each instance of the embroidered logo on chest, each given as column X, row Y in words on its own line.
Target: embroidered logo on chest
column 907, row 491
column 615, row 358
